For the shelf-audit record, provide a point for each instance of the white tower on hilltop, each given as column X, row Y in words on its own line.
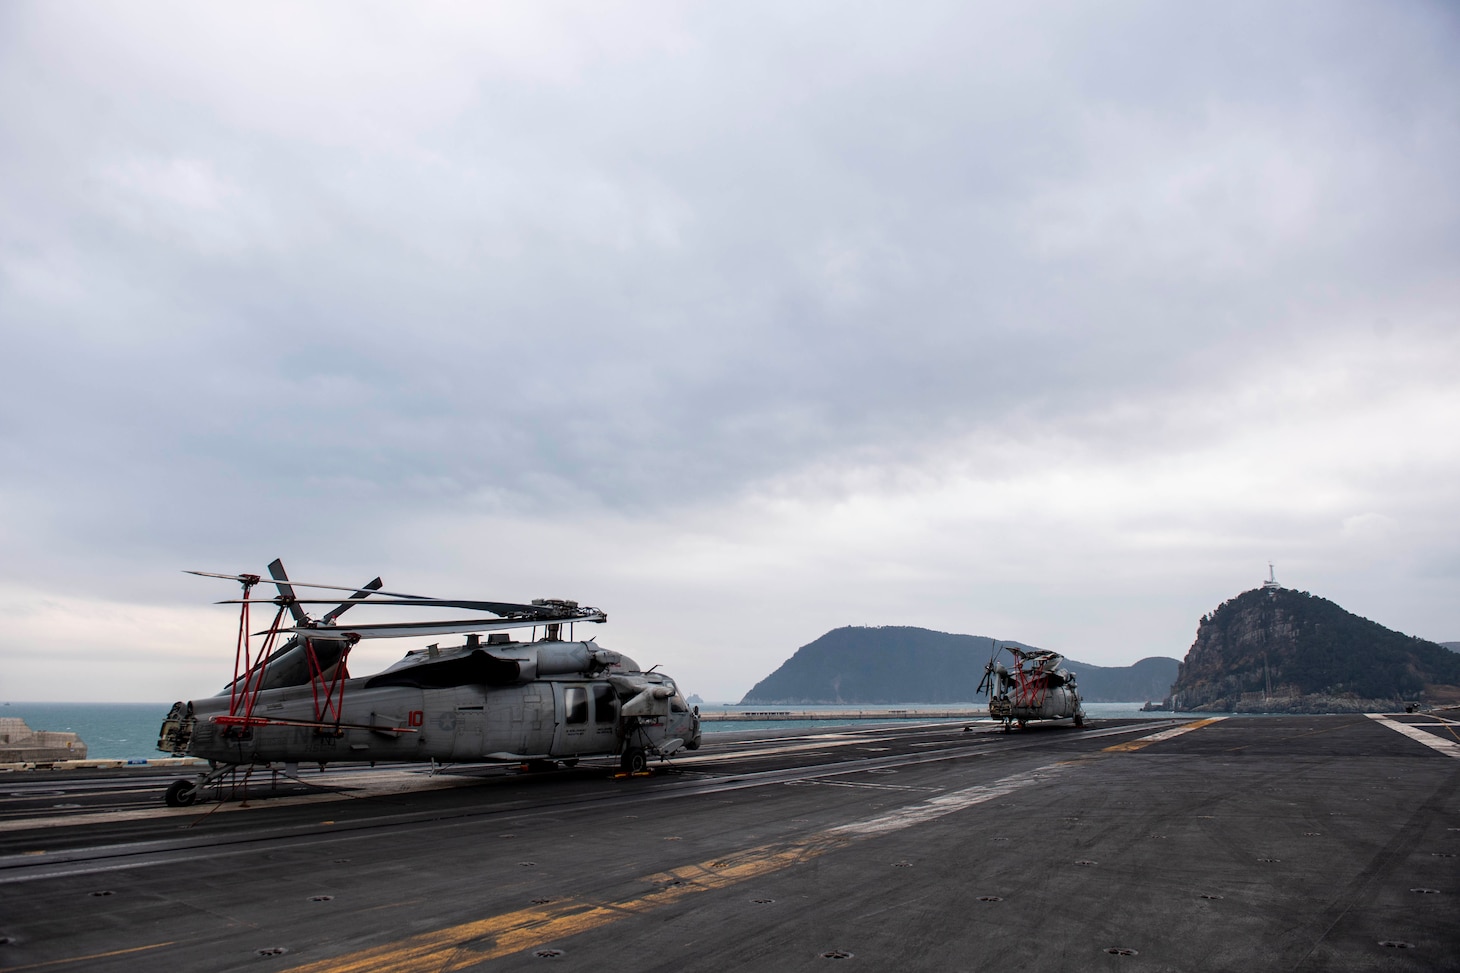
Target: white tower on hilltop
column 1271, row 584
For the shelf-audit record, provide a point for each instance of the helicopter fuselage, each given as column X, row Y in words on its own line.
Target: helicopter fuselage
column 1037, row 688
column 1055, row 703
column 405, row 713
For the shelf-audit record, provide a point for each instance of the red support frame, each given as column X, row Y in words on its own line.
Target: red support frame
column 248, row 670
column 334, row 701
column 1030, row 688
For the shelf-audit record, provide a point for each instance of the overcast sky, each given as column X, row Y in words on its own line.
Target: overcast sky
column 1044, row 321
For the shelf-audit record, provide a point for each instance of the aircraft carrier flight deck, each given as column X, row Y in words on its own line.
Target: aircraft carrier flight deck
column 1322, row 843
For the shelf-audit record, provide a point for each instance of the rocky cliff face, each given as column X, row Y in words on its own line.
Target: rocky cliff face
column 1275, row 650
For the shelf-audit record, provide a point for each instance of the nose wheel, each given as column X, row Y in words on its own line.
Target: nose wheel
column 185, row 793
column 181, row 793
column 634, row 761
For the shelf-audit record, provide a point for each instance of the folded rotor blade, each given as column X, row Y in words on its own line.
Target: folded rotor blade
column 286, row 591
column 225, row 577
column 364, row 592
column 407, row 629
column 304, row 584
column 515, row 614
column 527, row 612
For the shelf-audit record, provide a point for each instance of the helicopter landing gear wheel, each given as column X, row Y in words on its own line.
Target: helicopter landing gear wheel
column 1079, row 721
column 181, row 793
column 634, row 761
column 570, row 763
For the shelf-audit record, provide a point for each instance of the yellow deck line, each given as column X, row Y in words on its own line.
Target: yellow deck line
column 1146, row 741
column 470, row 943
column 83, row 959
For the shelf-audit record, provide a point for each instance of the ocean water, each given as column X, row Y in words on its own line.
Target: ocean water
column 128, row 731
column 111, row 731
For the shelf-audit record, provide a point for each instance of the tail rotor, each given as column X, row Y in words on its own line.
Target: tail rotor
column 987, row 684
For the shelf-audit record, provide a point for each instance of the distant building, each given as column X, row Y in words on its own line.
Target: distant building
column 1271, row 583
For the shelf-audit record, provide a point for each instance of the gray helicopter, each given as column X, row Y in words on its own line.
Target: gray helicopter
column 543, row 702
column 1036, row 688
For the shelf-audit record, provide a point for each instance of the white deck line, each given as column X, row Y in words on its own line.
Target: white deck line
column 943, row 804
column 357, row 785
column 1448, row 747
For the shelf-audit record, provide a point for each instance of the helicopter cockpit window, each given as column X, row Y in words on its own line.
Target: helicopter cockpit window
column 575, row 700
column 677, row 703
column 605, row 704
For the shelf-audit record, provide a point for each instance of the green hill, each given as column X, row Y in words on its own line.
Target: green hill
column 902, row 664
column 1277, row 650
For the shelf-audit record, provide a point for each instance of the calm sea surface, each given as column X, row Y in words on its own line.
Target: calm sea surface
column 127, row 731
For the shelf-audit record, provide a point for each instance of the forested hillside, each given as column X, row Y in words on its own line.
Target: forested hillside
column 1277, row 650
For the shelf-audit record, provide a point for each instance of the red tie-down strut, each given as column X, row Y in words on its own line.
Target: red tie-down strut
column 326, row 681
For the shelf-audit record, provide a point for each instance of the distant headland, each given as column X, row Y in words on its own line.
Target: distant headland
column 1276, row 650
column 1268, row 650
column 905, row 664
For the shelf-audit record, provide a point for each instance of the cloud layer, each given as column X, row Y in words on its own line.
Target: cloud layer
column 741, row 322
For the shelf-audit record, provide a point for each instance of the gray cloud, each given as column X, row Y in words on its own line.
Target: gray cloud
column 308, row 280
